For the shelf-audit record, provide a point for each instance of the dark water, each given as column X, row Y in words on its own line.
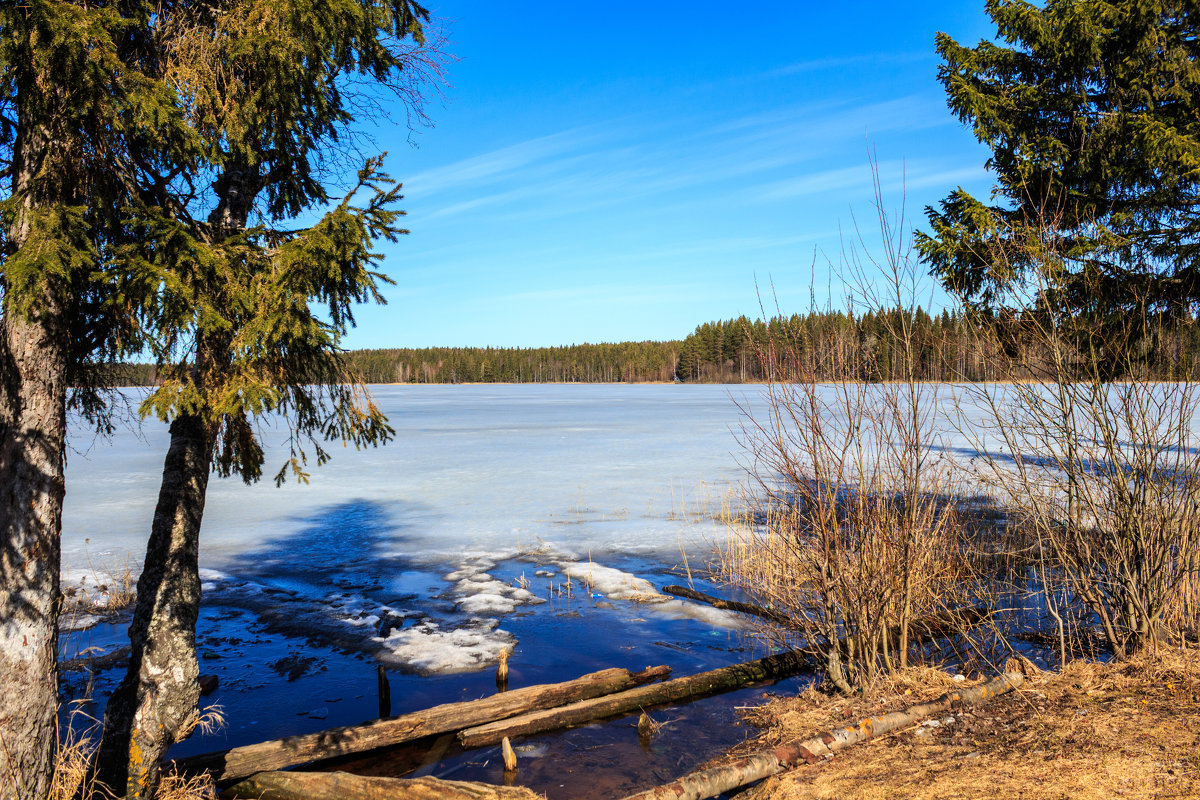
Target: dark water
column 285, row 666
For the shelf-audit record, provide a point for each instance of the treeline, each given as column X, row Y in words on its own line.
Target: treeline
column 832, row 345
column 623, row 362
column 816, row 346
column 823, row 346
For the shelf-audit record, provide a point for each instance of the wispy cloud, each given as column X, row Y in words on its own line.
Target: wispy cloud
column 503, row 161
column 873, row 59
column 761, row 157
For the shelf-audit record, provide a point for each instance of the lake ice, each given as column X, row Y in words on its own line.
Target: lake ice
column 409, row 553
column 583, row 474
column 473, row 469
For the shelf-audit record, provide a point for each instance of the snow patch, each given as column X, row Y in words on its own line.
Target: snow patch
column 477, row 593
column 428, row 648
column 68, row 623
column 617, row 584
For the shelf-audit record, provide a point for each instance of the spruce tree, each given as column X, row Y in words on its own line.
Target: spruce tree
column 76, row 102
column 252, row 313
column 1091, row 109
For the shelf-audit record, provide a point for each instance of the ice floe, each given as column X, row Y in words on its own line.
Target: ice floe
column 429, row 648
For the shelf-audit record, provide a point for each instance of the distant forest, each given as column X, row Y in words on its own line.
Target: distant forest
column 817, row 346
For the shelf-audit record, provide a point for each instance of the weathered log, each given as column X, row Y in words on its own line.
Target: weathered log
column 934, row 626
column 239, row 762
column 116, row 658
column 688, row 688
column 729, row 605
column 344, row 786
column 715, row 781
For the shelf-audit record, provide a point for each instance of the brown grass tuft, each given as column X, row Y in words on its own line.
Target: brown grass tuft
column 174, row 786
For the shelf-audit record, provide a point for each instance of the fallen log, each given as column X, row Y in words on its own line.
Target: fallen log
column 729, row 605
column 712, row 782
column 344, row 786
column 689, row 688
column 116, row 658
column 239, row 762
column 933, row 626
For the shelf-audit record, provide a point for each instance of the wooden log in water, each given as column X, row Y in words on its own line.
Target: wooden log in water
column 343, row 786
column 239, row 762
column 692, row 687
column 712, row 782
column 934, row 626
column 729, row 605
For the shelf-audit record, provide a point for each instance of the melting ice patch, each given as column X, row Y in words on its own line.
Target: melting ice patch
column 428, row 648
column 617, row 584
column 479, row 594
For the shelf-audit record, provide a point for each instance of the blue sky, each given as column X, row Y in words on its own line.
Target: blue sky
column 626, row 172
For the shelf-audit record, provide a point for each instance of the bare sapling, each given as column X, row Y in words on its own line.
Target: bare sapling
column 855, row 535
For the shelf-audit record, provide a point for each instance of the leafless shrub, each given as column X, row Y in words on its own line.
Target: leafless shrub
column 1099, row 464
column 856, row 536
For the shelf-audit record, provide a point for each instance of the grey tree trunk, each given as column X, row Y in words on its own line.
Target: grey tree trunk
column 156, row 703
column 32, row 436
column 33, row 426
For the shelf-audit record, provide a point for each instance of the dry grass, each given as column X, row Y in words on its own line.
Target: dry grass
column 1128, row 729
column 73, row 778
column 114, row 588
column 174, row 786
column 73, row 761
column 118, row 586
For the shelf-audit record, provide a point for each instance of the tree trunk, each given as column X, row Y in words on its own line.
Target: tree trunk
column 33, row 390
column 279, row 753
column 343, row 786
column 156, row 703
column 33, row 427
column 692, row 687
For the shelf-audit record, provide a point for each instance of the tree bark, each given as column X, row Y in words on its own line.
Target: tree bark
column 33, row 426
column 692, row 687
column 156, row 703
column 744, row 771
column 33, row 390
column 239, row 762
column 343, row 786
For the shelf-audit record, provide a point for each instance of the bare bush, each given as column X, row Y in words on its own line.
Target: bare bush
column 856, row 535
column 1099, row 464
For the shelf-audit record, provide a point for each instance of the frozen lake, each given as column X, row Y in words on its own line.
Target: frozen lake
column 491, row 501
column 430, row 555
column 422, row 554
column 476, row 470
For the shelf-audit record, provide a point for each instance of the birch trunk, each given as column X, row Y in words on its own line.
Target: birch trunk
column 156, row 703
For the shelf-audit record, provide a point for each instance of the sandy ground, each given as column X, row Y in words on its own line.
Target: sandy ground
column 1128, row 729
